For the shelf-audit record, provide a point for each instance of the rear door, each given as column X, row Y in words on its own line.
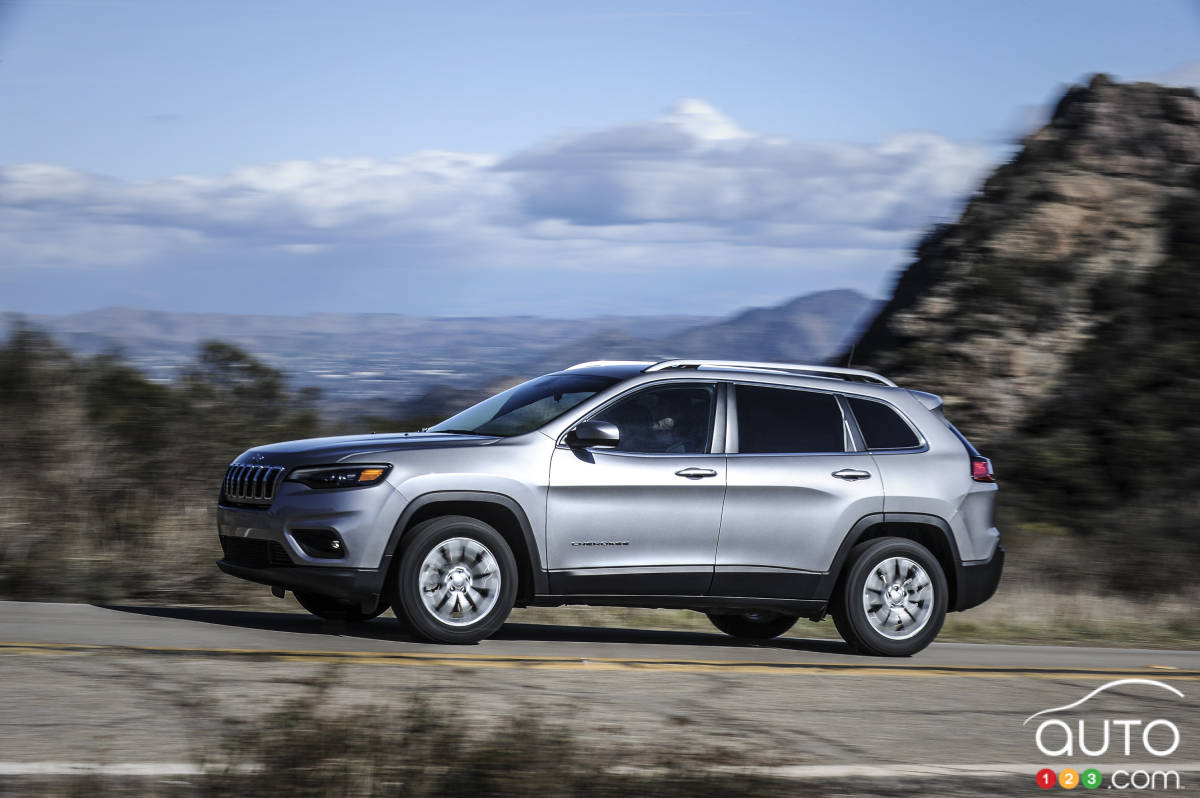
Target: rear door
column 641, row 519
column 795, row 487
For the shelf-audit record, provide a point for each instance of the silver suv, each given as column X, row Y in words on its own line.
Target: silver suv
column 757, row 493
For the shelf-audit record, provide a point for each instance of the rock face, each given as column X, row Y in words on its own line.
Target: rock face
column 995, row 305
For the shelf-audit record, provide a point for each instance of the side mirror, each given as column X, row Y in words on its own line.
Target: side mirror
column 600, row 434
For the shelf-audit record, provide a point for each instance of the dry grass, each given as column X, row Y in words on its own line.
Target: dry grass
column 1030, row 614
column 307, row 749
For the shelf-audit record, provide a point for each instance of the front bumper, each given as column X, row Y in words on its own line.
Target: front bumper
column 977, row 582
column 350, row 584
column 362, row 518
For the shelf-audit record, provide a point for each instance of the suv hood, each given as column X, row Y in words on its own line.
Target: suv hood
column 312, row 451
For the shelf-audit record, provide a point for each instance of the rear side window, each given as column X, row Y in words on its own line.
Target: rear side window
column 882, row 426
column 779, row 421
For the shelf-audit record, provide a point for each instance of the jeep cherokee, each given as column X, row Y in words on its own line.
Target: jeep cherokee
column 757, row 493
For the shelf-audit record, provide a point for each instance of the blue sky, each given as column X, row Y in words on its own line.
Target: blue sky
column 540, row 158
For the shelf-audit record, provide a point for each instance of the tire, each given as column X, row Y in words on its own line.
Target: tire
column 332, row 609
column 753, row 625
column 403, row 624
column 910, row 602
column 457, row 580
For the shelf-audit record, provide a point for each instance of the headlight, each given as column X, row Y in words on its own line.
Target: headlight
column 351, row 476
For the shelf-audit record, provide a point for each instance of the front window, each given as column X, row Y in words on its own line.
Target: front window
column 673, row 419
column 527, row 406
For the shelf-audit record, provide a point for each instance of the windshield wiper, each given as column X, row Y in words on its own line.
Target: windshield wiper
column 476, row 432
column 473, row 432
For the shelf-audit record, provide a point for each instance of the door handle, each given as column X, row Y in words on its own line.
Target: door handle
column 852, row 474
column 695, row 473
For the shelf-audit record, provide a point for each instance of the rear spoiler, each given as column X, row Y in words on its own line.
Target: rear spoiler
column 930, row 401
column 933, row 403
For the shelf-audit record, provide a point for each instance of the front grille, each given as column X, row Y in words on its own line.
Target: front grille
column 251, row 484
column 254, row 553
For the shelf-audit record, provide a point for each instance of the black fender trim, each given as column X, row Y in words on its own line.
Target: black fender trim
column 540, row 581
column 977, row 581
column 959, row 578
column 829, row 579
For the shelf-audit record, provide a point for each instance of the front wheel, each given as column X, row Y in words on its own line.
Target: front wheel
column 753, row 625
column 457, row 580
column 891, row 600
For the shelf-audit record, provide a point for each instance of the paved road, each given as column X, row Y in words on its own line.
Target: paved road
column 225, row 632
column 150, row 687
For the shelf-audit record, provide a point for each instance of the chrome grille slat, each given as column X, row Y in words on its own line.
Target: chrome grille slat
column 251, row 484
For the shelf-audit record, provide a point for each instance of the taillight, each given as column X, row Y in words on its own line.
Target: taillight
column 981, row 469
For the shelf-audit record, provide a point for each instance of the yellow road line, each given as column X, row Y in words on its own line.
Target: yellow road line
column 545, row 662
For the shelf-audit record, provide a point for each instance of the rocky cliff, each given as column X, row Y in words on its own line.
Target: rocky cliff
column 997, row 307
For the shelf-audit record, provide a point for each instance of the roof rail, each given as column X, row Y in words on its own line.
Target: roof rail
column 594, row 363
column 852, row 375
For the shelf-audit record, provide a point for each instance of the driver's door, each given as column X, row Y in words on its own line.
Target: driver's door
column 641, row 518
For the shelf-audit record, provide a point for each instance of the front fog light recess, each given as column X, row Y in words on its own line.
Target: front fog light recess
column 324, row 544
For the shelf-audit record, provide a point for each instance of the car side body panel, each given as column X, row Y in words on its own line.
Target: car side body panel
column 616, row 514
column 788, row 511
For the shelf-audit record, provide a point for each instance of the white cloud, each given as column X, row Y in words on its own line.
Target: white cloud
column 689, row 184
column 303, row 249
column 693, row 166
column 701, row 121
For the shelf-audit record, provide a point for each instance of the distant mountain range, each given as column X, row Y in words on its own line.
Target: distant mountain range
column 399, row 358
column 808, row 329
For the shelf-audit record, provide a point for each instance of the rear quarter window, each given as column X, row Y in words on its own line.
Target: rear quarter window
column 881, row 426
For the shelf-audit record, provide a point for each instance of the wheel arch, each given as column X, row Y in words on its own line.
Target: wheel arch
column 930, row 531
column 495, row 509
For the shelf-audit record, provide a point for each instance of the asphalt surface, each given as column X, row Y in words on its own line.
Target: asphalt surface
column 216, row 631
column 150, row 689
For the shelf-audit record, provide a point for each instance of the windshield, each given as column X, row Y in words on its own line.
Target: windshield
column 527, row 406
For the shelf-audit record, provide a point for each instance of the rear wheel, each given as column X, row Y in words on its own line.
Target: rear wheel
column 753, row 625
column 457, row 580
column 891, row 600
column 332, row 609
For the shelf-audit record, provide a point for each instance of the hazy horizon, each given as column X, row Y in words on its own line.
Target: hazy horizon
column 732, row 311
